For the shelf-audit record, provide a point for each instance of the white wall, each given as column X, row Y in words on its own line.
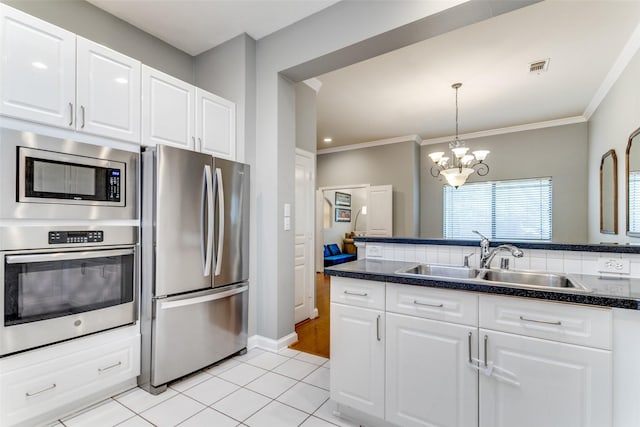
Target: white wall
column 610, row 126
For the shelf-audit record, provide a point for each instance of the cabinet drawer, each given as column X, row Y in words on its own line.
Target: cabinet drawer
column 567, row 323
column 42, row 387
column 449, row 306
column 360, row 293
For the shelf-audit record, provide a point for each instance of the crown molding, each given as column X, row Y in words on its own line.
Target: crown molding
column 510, row 129
column 396, row 140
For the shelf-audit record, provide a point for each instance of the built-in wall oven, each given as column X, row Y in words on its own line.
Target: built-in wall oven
column 69, row 229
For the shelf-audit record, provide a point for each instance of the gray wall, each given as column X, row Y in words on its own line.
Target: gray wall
column 306, row 117
column 92, row 23
column 395, row 164
column 609, row 128
column 560, row 152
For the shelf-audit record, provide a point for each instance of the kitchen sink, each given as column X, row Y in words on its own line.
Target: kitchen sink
column 539, row 280
column 441, row 270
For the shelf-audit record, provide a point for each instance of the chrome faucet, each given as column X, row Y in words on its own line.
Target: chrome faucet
column 486, row 254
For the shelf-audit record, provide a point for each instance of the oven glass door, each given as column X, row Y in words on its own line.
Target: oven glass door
column 50, row 285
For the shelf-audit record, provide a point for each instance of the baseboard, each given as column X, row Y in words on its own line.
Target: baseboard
column 315, row 313
column 270, row 344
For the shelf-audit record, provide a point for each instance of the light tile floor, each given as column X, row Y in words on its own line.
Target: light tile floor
column 257, row 389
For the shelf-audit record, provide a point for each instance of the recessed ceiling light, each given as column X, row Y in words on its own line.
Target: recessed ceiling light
column 122, row 80
column 39, row 65
column 328, row 140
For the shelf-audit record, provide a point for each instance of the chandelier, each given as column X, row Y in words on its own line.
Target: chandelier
column 457, row 169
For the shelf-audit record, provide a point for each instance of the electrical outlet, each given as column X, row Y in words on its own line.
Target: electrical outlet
column 374, row 251
column 613, row 265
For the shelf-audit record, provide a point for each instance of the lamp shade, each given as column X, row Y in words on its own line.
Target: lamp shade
column 364, row 210
column 456, row 177
column 481, row 154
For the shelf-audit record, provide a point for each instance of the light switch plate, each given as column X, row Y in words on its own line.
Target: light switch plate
column 287, row 209
column 613, row 265
column 287, row 223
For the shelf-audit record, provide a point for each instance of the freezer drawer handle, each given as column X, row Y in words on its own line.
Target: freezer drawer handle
column 65, row 256
column 199, row 300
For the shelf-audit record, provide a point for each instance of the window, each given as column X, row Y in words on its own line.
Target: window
column 634, row 201
column 503, row 210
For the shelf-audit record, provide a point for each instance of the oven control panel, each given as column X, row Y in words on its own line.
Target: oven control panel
column 57, row 237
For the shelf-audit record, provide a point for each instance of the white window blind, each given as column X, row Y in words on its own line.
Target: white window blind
column 503, row 210
column 634, row 201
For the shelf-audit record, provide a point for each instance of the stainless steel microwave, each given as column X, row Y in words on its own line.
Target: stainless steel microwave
column 43, row 177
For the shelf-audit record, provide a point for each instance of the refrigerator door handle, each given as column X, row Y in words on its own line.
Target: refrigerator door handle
column 182, row 302
column 207, row 195
column 221, row 220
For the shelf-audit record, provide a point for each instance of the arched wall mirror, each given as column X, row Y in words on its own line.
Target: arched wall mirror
column 632, row 159
column 609, row 193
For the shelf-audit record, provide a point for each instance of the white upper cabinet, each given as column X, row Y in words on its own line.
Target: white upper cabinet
column 51, row 76
column 108, row 92
column 216, row 125
column 38, row 69
column 168, row 105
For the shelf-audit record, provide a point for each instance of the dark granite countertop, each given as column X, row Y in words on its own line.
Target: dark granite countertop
column 606, row 292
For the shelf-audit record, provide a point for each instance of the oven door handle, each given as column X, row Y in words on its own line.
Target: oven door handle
column 64, row 256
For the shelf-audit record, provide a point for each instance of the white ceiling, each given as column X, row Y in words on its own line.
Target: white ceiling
column 409, row 92
column 195, row 26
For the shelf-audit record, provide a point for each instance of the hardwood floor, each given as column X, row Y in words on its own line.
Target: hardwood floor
column 313, row 334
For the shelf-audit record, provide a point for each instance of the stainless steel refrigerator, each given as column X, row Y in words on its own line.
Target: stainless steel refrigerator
column 195, row 262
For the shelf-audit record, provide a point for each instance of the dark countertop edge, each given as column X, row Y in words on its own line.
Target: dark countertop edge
column 623, row 249
column 586, row 298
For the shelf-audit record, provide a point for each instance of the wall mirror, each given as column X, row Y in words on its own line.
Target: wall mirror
column 632, row 157
column 609, row 193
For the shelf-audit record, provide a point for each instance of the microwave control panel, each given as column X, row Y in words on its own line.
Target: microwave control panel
column 57, row 237
column 113, row 185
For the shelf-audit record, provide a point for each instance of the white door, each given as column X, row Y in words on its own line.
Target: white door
column 215, row 125
column 108, row 92
column 380, row 211
column 538, row 382
column 38, row 69
column 304, row 223
column 357, row 358
column 168, row 110
column 429, row 380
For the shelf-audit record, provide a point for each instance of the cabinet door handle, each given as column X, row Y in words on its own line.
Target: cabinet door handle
column 70, row 114
column 378, row 328
column 200, row 144
column 51, row 387
column 82, row 114
column 469, row 339
column 193, row 139
column 416, row 302
column 109, row 367
column 486, row 339
column 359, row 294
column 546, row 322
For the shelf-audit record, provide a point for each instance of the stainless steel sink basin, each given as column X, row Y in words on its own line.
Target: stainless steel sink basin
column 532, row 279
column 440, row 270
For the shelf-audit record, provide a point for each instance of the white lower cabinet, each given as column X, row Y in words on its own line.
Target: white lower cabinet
column 35, row 386
column 538, row 382
column 357, row 358
column 440, row 358
column 430, row 380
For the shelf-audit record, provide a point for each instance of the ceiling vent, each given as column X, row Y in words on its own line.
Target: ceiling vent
column 538, row 67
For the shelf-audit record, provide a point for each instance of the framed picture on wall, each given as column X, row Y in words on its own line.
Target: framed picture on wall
column 343, row 199
column 343, row 215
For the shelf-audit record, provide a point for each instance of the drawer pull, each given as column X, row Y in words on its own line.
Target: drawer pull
column 416, row 302
column 359, row 294
column 109, row 367
column 378, row 329
column 470, row 356
column 546, row 322
column 51, row 387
